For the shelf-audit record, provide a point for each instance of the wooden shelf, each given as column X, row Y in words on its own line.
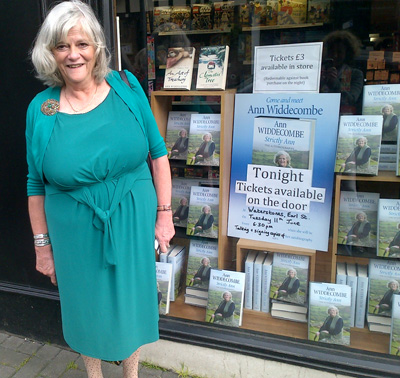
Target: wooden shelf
column 384, row 176
column 278, row 27
column 194, row 32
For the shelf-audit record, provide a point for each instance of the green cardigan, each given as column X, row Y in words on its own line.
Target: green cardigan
column 39, row 126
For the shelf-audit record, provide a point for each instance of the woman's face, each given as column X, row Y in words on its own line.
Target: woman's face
column 183, row 134
column 227, row 297
column 184, row 201
column 361, row 217
column 361, row 143
column 386, row 110
column 206, row 262
column 291, row 274
column 282, row 161
column 393, row 286
column 206, row 210
column 207, row 138
column 75, row 57
column 332, row 312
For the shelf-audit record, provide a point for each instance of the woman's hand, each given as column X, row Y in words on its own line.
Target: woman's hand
column 45, row 262
column 164, row 229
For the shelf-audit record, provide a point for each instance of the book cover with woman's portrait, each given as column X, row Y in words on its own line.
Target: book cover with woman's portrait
column 180, row 200
column 164, row 276
column 389, row 228
column 329, row 313
column 289, row 279
column 358, row 219
column 359, row 143
column 395, row 327
column 283, row 142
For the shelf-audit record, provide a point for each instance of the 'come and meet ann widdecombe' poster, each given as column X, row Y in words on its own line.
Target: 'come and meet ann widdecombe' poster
column 283, row 159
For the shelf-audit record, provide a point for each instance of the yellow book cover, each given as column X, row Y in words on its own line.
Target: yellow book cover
column 292, row 12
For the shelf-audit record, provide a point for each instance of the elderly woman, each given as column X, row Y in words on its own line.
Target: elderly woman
column 332, row 328
column 359, row 231
column 202, row 276
column 204, row 225
column 384, row 307
column 204, row 155
column 289, row 289
column 224, row 313
column 393, row 249
column 282, row 159
column 181, row 213
column 390, row 123
column 179, row 149
column 92, row 203
column 359, row 159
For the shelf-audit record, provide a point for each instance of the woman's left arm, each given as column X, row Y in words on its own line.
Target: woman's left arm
column 162, row 182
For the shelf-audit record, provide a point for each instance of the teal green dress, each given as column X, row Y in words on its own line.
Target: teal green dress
column 100, row 207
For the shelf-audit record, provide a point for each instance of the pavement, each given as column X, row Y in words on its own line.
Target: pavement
column 24, row 358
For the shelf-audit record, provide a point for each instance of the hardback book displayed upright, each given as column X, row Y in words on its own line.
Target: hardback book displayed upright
column 177, row 136
column 161, row 16
column 179, row 70
column 203, row 256
column 384, row 99
column 225, row 298
column 203, row 212
column 249, row 271
column 177, row 258
column 389, row 228
column 292, row 12
column 395, row 327
column 289, row 280
column 212, row 67
column 329, row 313
column 341, row 275
column 358, row 146
column 204, row 140
column 283, row 142
column 318, row 11
column 257, row 280
column 202, row 16
column 362, row 295
column 164, row 256
column 224, row 12
column 358, row 219
column 351, row 280
column 181, row 16
column 164, row 277
column 180, row 200
column 266, row 282
column 384, row 278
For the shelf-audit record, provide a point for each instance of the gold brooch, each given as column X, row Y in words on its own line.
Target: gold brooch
column 50, row 107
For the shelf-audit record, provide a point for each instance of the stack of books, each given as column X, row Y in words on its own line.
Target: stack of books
column 164, row 278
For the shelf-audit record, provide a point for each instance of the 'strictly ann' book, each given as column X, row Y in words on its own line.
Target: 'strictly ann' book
column 213, row 67
column 362, row 295
column 266, row 282
column 164, row 275
column 351, row 280
column 204, row 140
column 177, row 258
column 395, row 327
column 358, row 215
column 180, row 200
column 179, row 71
column 289, row 281
column 329, row 313
column 249, row 271
column 384, row 278
column 257, row 281
column 177, row 137
column 384, row 100
column 358, row 144
column 283, row 142
column 225, row 298
column 389, row 228
column 203, row 212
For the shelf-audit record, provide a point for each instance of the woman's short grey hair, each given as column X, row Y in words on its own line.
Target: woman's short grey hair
column 227, row 292
column 209, row 134
column 362, row 138
column 282, row 153
column 291, row 270
column 183, row 199
column 59, row 21
column 393, row 282
column 205, row 207
column 387, row 106
column 361, row 213
column 205, row 259
column 333, row 308
column 183, row 131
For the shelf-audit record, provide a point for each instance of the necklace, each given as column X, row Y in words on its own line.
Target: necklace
column 85, row 107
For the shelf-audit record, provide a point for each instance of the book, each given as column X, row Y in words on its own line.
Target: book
column 329, row 313
column 177, row 136
column 202, row 16
column 383, row 100
column 384, row 278
column 377, row 327
column 257, row 280
column 318, row 11
column 387, row 158
column 204, row 140
column 283, row 142
column 177, row 258
column 289, row 307
column 341, row 275
column 358, row 144
column 163, row 275
column 258, row 14
column 292, row 12
column 249, row 272
column 377, row 319
column 181, row 16
column 180, row 200
column 387, row 167
column 163, row 257
column 203, row 256
column 358, row 220
column 195, row 300
column 224, row 12
column 179, row 70
column 289, row 279
column 271, row 12
column 203, row 212
column 212, row 67
column 389, row 228
column 397, row 161
column 362, row 295
column 395, row 327
column 266, row 282
column 225, row 298
column 351, row 280
column 161, row 16
column 245, row 15
column 195, row 292
column 388, row 149
column 293, row 316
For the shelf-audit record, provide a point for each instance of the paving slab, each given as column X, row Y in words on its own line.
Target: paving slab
column 12, row 342
column 32, row 367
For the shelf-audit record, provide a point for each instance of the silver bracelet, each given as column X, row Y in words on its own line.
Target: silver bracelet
column 41, row 236
column 42, row 242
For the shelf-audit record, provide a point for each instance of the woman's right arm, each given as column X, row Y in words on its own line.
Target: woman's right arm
column 44, row 255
